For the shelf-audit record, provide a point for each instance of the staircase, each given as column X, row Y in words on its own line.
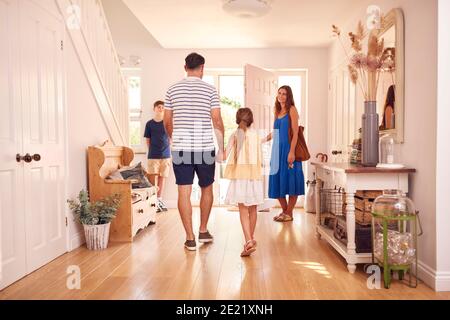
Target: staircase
column 89, row 31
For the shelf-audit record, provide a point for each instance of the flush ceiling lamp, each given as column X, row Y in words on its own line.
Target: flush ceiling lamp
column 247, row 8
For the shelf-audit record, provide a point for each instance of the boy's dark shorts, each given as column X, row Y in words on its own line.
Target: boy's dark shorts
column 186, row 164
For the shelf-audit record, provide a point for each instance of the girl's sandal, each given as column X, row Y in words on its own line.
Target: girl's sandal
column 249, row 248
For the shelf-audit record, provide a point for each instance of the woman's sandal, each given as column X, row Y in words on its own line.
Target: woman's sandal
column 284, row 218
column 249, row 248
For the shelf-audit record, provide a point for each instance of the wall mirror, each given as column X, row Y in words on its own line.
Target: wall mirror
column 391, row 90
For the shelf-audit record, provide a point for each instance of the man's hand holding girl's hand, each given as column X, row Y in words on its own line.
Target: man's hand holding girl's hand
column 220, row 158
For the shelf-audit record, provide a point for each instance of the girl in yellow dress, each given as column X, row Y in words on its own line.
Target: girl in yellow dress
column 244, row 170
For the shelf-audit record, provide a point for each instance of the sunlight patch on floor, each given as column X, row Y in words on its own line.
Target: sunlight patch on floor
column 315, row 266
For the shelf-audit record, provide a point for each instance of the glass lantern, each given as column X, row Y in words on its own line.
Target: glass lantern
column 387, row 152
column 387, row 146
column 395, row 224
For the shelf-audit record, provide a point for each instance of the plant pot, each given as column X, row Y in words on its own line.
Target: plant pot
column 370, row 134
column 97, row 236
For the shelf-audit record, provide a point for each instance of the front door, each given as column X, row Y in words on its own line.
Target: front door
column 260, row 92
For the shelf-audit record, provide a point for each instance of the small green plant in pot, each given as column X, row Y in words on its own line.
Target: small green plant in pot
column 95, row 217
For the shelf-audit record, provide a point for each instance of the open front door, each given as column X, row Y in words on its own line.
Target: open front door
column 260, row 92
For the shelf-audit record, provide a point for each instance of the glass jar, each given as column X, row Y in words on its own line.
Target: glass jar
column 394, row 227
column 387, row 150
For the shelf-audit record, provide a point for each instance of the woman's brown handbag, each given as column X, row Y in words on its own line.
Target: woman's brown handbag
column 301, row 149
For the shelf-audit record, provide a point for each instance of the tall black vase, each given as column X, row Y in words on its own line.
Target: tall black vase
column 370, row 134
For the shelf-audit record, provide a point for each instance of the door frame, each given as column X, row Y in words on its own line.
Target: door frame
column 338, row 79
column 302, row 72
column 304, row 112
column 68, row 213
column 217, row 73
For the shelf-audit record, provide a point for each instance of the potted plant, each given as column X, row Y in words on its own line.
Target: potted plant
column 365, row 69
column 95, row 217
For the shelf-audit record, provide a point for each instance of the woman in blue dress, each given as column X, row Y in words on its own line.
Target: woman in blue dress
column 286, row 174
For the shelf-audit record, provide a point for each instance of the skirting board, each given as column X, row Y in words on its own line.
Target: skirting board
column 173, row 204
column 76, row 241
column 438, row 281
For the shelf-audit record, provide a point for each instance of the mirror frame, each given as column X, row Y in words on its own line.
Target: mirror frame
column 395, row 18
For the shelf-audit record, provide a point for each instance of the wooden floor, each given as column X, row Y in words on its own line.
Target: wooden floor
column 290, row 263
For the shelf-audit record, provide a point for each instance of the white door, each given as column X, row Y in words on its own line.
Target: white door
column 43, row 134
column 12, row 226
column 342, row 104
column 39, row 215
column 260, row 92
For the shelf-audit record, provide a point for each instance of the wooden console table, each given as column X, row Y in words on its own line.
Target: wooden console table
column 354, row 178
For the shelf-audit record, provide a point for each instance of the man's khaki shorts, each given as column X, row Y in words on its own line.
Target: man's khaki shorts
column 160, row 167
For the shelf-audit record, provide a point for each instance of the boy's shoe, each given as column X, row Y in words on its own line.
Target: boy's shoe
column 191, row 245
column 158, row 207
column 205, row 237
column 162, row 206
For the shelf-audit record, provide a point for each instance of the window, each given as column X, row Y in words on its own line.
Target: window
column 134, row 83
column 230, row 85
column 231, row 92
column 209, row 79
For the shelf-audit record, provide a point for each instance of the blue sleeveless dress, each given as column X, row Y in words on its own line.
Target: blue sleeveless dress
column 284, row 181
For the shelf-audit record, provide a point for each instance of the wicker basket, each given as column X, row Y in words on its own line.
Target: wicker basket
column 363, row 206
column 369, row 194
column 332, row 201
column 363, row 217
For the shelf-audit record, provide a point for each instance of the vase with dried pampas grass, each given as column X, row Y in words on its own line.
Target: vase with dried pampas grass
column 365, row 69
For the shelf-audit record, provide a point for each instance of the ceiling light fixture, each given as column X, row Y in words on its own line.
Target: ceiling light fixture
column 247, row 8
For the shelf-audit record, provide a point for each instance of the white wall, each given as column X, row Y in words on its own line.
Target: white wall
column 443, row 151
column 419, row 149
column 161, row 68
column 85, row 128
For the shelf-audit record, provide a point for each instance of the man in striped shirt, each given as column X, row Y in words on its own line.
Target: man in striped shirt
column 192, row 111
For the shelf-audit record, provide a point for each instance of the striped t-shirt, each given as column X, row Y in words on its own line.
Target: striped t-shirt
column 191, row 101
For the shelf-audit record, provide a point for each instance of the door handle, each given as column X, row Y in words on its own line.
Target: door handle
column 28, row 158
column 336, row 152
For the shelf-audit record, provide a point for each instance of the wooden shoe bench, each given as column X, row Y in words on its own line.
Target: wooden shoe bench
column 138, row 206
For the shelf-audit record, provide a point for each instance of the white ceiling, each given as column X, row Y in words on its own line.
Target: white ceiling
column 203, row 23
